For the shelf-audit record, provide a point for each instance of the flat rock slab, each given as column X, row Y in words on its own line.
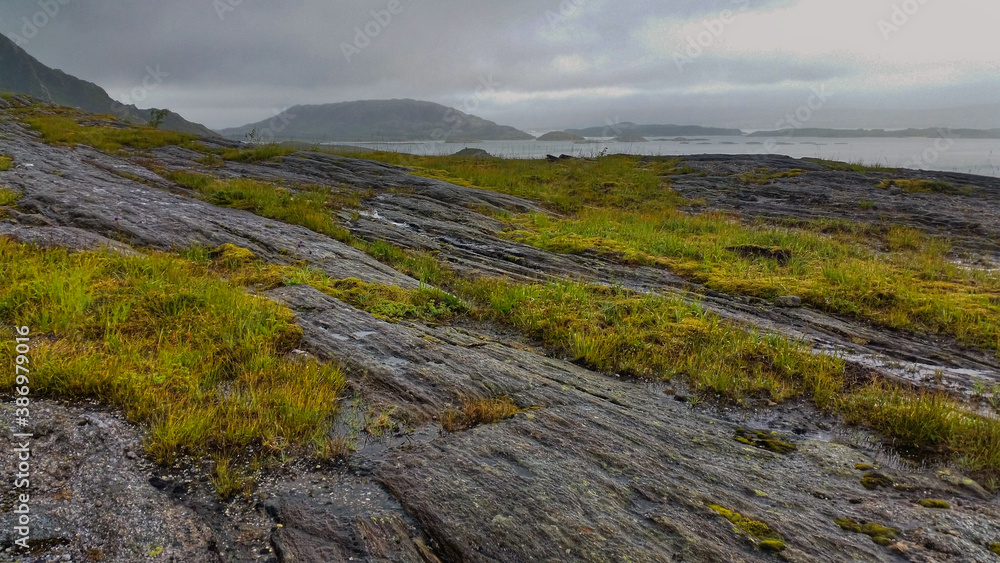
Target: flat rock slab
column 610, row 470
column 75, row 188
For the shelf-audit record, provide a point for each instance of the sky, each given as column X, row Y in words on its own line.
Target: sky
column 538, row 65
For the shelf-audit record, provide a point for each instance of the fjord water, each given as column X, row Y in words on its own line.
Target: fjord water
column 971, row 156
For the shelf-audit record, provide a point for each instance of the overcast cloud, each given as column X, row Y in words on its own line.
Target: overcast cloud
column 537, row 64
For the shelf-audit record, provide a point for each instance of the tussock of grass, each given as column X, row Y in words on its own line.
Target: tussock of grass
column 932, row 421
column 6, row 163
column 8, row 197
column 475, row 412
column 65, row 126
column 164, row 339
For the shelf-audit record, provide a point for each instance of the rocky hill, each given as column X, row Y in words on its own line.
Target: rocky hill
column 377, row 121
column 20, row 73
column 463, row 431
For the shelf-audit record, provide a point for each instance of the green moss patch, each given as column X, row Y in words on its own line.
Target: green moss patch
column 764, row 440
column 933, row 503
column 882, row 535
column 759, row 532
column 874, row 480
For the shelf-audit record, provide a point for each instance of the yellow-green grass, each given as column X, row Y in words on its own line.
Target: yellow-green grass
column 6, row 163
column 311, row 206
column 764, row 175
column 177, row 343
column 857, row 166
column 619, row 331
column 65, row 126
column 8, row 197
column 620, row 206
column 475, row 412
column 172, row 345
column 259, row 153
column 386, row 302
column 567, row 186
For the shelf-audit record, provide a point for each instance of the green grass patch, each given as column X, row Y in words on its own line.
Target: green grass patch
column 475, row 412
column 858, row 166
column 65, row 126
column 927, row 420
column 8, row 197
column 164, row 339
column 621, row 207
column 260, row 153
column 6, row 163
column 619, row 331
column 763, row 176
column 308, row 205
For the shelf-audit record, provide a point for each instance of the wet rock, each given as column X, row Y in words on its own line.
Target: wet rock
column 788, row 301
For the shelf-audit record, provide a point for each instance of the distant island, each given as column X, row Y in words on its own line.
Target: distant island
column 561, row 136
column 377, row 121
column 881, row 133
column 628, row 128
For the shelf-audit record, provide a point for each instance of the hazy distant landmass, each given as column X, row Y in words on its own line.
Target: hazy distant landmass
column 561, row 136
column 377, row 120
column 628, row 128
column 20, row 73
column 903, row 133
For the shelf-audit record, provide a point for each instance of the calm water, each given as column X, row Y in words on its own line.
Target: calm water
column 973, row 156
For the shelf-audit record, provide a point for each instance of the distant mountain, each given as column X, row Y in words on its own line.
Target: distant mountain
column 20, row 73
column 880, row 133
column 629, row 129
column 377, row 120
